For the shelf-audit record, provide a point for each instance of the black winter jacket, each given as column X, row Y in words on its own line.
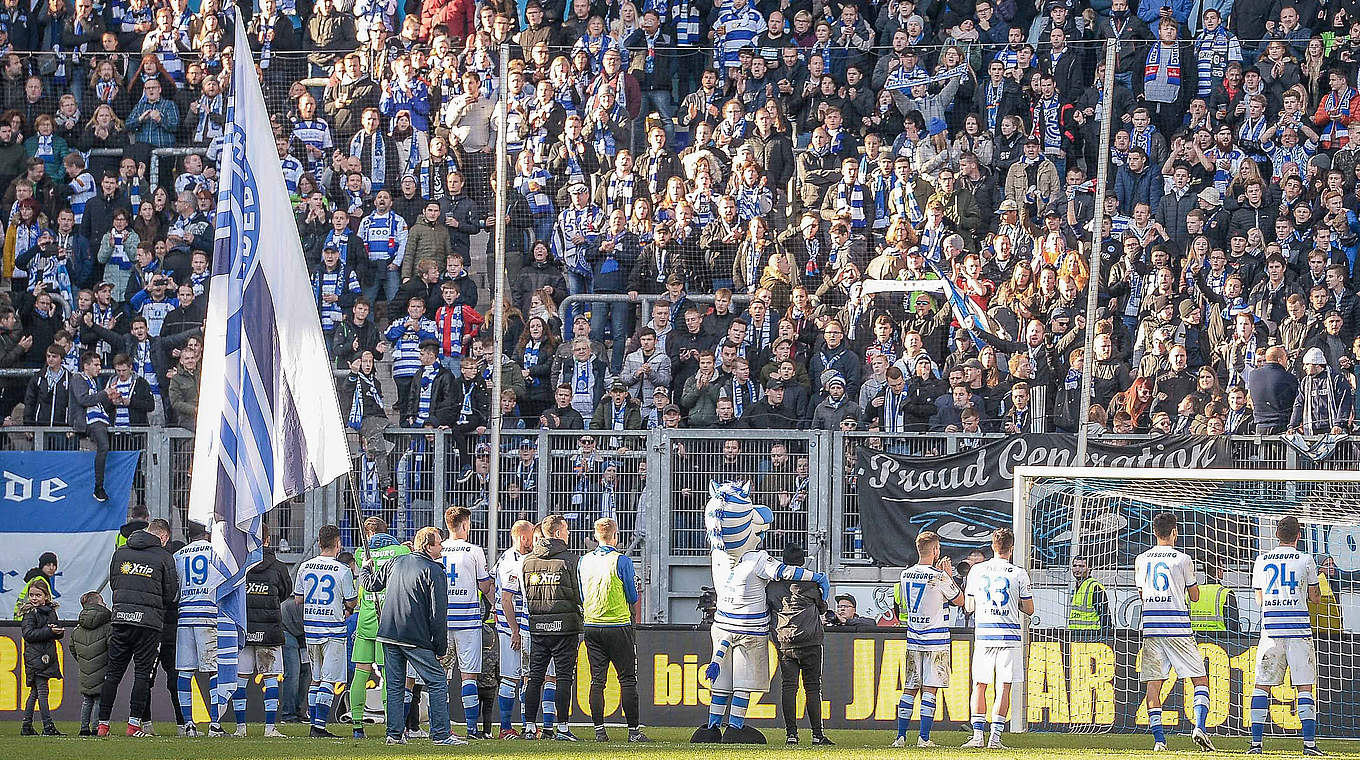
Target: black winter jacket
column 796, row 607
column 268, row 585
column 40, row 644
column 552, row 589
column 144, row 582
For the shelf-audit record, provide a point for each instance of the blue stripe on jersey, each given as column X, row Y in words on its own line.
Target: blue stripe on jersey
column 743, row 631
column 928, row 641
column 981, row 637
column 1167, row 613
column 743, row 615
column 1001, row 626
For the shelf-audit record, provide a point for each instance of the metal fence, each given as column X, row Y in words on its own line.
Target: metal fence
column 654, row 483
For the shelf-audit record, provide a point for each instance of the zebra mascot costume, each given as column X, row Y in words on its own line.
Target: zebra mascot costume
column 741, row 625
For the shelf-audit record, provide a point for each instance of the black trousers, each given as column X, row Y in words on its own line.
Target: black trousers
column 561, row 651
column 617, row 646
column 99, row 436
column 807, row 662
column 167, row 661
column 138, row 646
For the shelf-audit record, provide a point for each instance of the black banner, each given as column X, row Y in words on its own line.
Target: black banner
column 1071, row 681
column 965, row 496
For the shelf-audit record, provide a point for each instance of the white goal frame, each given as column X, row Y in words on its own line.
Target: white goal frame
column 1021, row 525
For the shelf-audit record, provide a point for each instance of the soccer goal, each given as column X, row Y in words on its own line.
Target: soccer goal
column 1083, row 667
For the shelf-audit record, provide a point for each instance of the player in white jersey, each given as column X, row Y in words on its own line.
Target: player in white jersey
column 922, row 597
column 326, row 591
column 196, row 631
column 1166, row 586
column 468, row 575
column 741, row 628
column 1286, row 581
column 998, row 594
column 514, row 642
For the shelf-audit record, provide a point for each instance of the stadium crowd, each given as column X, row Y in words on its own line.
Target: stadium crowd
column 810, row 166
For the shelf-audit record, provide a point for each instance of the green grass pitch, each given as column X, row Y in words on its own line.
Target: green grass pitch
column 670, row 744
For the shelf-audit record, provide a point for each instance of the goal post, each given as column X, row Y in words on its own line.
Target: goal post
column 1082, row 670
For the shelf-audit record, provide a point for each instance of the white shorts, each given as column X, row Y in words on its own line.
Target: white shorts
column 993, row 665
column 512, row 662
column 747, row 664
column 1163, row 654
column 1274, row 656
column 196, row 649
column 467, row 643
column 928, row 669
column 266, row 661
column 330, row 661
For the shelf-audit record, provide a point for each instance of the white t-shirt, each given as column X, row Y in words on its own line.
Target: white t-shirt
column 1163, row 575
column 1283, row 576
column 197, row 595
column 923, row 595
column 996, row 588
column 325, row 585
column 465, row 565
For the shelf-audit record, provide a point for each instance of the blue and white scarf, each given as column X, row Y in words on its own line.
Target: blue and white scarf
column 377, row 159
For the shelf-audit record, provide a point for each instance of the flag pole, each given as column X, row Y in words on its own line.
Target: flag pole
column 1093, row 260
column 493, row 493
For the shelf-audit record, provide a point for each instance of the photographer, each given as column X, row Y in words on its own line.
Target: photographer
column 796, row 608
column 846, row 615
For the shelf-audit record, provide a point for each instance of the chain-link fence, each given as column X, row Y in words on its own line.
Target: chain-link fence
column 654, row 483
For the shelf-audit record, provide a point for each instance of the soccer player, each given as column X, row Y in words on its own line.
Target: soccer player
column 997, row 593
column 1286, row 582
column 921, row 597
column 327, row 594
column 368, row 652
column 514, row 641
column 468, row 574
column 196, row 636
column 1165, row 578
column 268, row 585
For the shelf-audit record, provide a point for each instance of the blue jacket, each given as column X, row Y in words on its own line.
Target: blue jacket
column 416, row 602
column 1132, row 189
column 1272, row 389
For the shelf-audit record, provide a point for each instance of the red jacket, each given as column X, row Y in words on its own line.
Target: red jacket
column 455, row 16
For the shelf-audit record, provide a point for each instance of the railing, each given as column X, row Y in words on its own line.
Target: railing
column 653, row 482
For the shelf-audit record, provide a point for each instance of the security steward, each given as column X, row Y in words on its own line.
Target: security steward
column 1216, row 609
column 145, row 585
column 1089, row 609
column 551, row 583
column 611, row 606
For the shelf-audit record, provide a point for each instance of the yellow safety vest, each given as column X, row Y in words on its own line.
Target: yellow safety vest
column 1082, row 614
column 1207, row 613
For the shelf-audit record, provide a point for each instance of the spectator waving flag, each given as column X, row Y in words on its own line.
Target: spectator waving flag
column 269, row 425
column 968, row 313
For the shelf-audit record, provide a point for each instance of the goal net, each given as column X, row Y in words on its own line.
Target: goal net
column 1083, row 664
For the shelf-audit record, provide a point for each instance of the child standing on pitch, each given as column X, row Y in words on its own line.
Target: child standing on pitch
column 41, row 665
column 90, row 645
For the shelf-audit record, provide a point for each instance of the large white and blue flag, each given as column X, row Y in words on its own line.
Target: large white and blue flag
column 269, row 425
column 969, row 313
